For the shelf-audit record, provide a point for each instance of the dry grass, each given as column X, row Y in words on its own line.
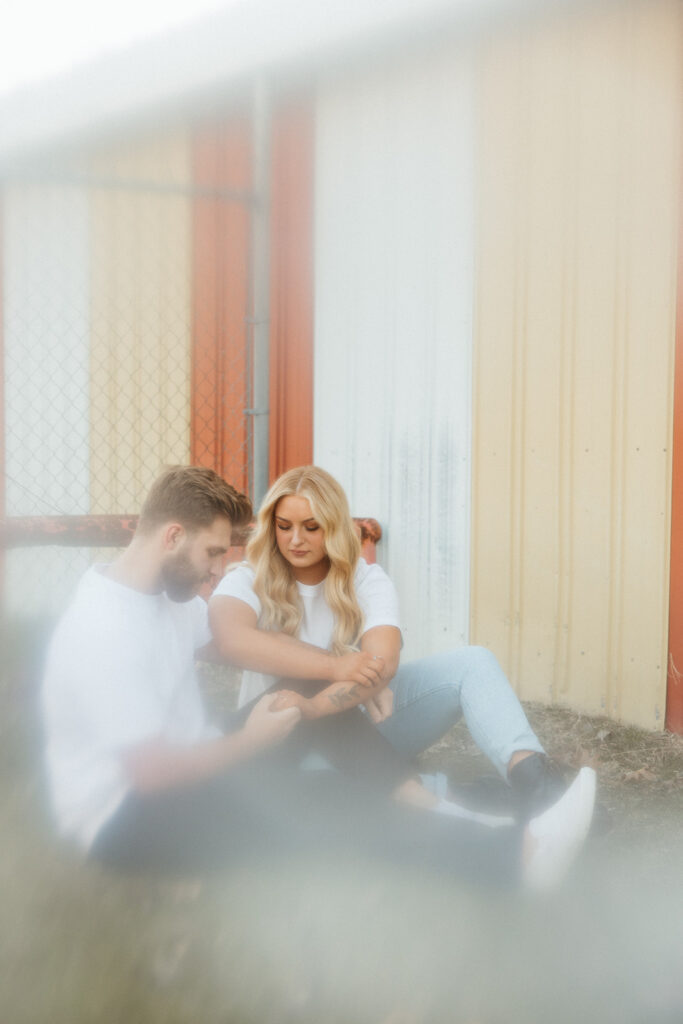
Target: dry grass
column 619, row 753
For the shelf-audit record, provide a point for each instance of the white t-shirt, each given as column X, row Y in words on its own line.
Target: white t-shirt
column 376, row 596
column 120, row 670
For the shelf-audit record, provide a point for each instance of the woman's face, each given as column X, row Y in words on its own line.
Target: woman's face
column 300, row 539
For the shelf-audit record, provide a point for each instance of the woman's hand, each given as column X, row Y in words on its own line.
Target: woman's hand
column 381, row 706
column 357, row 667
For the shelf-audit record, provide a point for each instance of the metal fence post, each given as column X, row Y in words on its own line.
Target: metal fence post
column 259, row 296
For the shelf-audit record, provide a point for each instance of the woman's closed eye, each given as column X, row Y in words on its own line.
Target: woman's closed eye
column 285, row 527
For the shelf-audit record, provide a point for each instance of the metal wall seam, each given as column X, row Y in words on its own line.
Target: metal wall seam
column 3, row 510
column 674, row 702
column 291, row 286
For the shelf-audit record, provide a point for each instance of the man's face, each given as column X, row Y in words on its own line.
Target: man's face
column 196, row 559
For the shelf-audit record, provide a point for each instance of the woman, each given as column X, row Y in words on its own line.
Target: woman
column 306, row 607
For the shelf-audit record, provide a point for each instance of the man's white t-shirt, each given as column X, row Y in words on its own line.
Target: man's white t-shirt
column 120, row 671
column 376, row 596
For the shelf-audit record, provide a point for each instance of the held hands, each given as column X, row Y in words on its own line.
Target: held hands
column 268, row 724
column 357, row 667
column 287, row 699
column 336, row 698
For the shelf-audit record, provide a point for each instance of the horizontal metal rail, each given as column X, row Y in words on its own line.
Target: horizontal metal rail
column 190, row 190
column 103, row 531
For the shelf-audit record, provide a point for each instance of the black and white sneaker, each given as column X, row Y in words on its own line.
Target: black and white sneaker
column 536, row 784
column 553, row 838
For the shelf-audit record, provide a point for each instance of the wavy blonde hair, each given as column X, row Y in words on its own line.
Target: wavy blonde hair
column 274, row 582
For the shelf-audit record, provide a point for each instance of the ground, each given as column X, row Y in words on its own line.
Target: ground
column 306, row 942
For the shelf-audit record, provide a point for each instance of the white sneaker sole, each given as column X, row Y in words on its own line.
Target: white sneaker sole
column 556, row 836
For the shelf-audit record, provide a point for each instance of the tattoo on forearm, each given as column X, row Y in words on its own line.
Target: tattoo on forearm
column 340, row 698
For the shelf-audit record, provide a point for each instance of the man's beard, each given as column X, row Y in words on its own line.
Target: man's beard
column 180, row 579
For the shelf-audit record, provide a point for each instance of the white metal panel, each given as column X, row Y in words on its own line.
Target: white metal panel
column 45, row 304
column 393, row 324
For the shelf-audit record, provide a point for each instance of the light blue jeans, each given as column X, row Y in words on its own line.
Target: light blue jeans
column 431, row 694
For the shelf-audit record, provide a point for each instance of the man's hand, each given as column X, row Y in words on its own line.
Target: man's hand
column 357, row 667
column 268, row 724
column 157, row 765
column 381, row 706
column 285, row 699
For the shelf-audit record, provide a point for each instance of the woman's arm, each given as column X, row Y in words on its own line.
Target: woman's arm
column 241, row 642
column 383, row 644
column 385, row 640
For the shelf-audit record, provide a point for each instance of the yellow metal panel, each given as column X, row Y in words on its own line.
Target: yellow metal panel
column 141, row 319
column 579, row 146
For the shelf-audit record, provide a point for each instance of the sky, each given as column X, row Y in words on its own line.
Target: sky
column 41, row 38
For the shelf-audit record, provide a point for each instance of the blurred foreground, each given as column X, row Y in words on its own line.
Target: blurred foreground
column 348, row 943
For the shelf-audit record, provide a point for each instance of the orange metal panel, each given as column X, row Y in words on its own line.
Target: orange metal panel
column 222, row 160
column 291, row 289
column 674, row 693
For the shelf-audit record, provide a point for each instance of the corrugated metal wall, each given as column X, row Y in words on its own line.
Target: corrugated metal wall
column 140, row 320
column 579, row 176
column 549, row 158
column 97, row 331
column 393, row 327
column 128, row 321
column 515, row 203
column 46, row 376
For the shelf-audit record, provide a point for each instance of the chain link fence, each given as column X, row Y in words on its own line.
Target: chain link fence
column 117, row 359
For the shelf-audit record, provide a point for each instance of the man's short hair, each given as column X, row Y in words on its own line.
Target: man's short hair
column 194, row 497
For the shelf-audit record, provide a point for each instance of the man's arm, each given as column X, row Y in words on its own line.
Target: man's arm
column 158, row 765
column 241, row 642
column 382, row 643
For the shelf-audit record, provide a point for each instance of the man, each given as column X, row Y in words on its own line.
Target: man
column 123, row 712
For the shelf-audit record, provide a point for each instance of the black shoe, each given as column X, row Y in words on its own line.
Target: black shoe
column 536, row 784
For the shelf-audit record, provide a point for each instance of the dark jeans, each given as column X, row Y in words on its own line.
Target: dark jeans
column 269, row 808
column 347, row 740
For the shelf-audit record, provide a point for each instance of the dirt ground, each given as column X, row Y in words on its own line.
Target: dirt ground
column 349, row 943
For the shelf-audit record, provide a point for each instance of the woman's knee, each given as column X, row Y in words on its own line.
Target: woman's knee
column 439, row 679
column 474, row 658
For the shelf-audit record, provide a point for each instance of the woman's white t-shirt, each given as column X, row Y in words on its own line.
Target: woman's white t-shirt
column 376, row 596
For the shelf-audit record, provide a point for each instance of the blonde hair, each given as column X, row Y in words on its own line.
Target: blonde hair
column 274, row 582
